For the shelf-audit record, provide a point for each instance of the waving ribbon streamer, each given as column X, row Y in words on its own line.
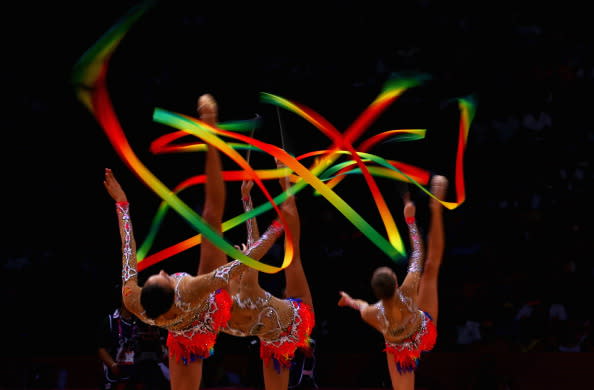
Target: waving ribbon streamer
column 89, row 77
column 306, row 175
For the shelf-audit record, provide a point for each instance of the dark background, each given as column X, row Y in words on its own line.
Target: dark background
column 521, row 241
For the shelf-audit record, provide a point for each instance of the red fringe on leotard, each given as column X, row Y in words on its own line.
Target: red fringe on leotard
column 282, row 350
column 407, row 352
column 195, row 344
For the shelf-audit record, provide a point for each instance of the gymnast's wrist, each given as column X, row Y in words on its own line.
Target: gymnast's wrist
column 410, row 220
column 277, row 225
column 122, row 203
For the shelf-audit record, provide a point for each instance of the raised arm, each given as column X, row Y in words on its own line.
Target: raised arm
column 199, row 286
column 263, row 244
column 257, row 246
column 212, row 256
column 415, row 264
column 130, row 288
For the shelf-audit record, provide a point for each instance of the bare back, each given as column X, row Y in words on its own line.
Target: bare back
column 396, row 318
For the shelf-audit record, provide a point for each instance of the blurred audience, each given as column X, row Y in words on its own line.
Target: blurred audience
column 133, row 354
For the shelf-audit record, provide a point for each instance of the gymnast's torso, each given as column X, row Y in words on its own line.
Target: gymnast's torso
column 397, row 319
column 255, row 312
column 188, row 315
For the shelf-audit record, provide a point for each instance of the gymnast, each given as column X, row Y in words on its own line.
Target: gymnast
column 192, row 308
column 281, row 325
column 406, row 315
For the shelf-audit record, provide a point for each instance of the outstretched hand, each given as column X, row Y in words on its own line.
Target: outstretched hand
column 113, row 187
column 345, row 299
column 243, row 248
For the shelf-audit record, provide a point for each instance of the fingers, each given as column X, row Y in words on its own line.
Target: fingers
column 107, row 178
column 242, row 248
column 109, row 175
column 113, row 187
column 344, row 299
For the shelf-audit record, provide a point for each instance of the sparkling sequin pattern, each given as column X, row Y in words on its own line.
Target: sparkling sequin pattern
column 128, row 265
column 293, row 336
column 250, row 223
column 179, row 302
column 257, row 314
column 253, row 304
column 411, row 343
column 224, row 271
column 416, row 256
column 201, row 320
column 270, row 234
column 197, row 318
column 266, row 310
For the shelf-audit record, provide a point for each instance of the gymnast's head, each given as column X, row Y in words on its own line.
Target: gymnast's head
column 157, row 294
column 384, row 282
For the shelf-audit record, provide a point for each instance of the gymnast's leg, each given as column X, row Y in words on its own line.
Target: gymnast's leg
column 211, row 256
column 427, row 298
column 185, row 377
column 296, row 287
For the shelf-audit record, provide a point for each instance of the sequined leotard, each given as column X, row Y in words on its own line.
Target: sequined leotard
column 407, row 341
column 193, row 334
column 282, row 325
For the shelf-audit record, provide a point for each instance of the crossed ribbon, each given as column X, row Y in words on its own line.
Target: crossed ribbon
column 323, row 175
